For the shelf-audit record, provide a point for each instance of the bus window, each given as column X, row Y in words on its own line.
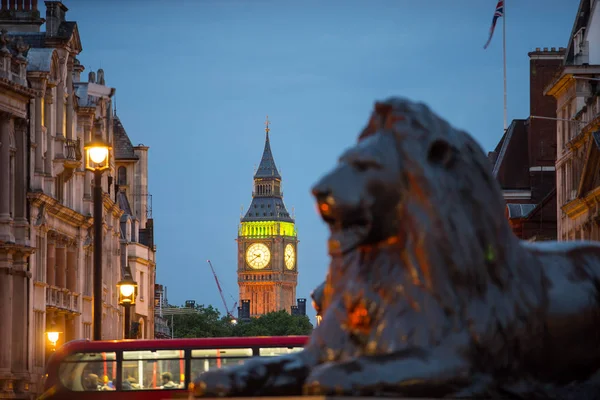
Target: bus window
column 206, row 359
column 277, row 351
column 83, row 372
column 153, row 370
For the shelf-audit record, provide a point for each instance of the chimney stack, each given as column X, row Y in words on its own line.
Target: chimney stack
column 55, row 15
column 20, row 15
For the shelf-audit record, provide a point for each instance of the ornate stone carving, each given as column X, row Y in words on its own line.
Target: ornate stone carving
column 42, row 218
column 21, row 47
column 5, row 40
column 429, row 293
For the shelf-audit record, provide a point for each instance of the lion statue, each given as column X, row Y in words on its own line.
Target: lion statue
column 429, row 293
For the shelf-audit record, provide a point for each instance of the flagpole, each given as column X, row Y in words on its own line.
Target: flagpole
column 504, row 59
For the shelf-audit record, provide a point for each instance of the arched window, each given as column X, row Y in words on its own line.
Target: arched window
column 122, row 176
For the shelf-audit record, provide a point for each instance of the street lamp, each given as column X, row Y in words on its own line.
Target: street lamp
column 128, row 289
column 97, row 160
column 53, row 336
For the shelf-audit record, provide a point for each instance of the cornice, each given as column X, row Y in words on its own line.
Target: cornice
column 25, row 92
column 579, row 206
column 55, row 208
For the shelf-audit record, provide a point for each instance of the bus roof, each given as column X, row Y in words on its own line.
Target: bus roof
column 89, row 346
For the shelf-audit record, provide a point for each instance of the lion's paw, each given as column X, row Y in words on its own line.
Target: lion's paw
column 328, row 380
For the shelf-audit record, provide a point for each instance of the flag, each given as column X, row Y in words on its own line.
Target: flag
column 497, row 14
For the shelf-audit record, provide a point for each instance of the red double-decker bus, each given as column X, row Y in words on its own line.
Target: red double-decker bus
column 150, row 369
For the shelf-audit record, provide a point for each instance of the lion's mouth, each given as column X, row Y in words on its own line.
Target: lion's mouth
column 349, row 227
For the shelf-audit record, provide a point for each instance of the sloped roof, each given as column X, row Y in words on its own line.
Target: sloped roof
column 123, row 202
column 581, row 20
column 39, row 60
column 267, row 167
column 267, row 209
column 512, row 163
column 122, row 144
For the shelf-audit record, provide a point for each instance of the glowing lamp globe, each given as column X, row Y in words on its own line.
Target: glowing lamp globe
column 127, row 291
column 53, row 337
column 97, row 155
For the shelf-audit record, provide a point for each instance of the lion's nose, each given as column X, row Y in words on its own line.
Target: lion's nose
column 321, row 191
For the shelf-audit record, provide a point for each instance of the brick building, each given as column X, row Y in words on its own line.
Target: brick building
column 523, row 161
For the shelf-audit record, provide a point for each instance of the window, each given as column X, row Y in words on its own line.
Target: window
column 87, row 283
column 89, row 372
column 122, row 176
column 207, row 359
column 59, row 188
column 153, row 370
column 141, row 286
column 277, row 351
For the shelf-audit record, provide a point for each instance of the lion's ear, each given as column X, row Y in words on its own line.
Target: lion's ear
column 442, row 153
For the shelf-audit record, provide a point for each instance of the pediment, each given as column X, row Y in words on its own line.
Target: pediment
column 75, row 42
column 590, row 177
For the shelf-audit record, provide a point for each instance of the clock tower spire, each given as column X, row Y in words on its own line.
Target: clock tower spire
column 267, row 242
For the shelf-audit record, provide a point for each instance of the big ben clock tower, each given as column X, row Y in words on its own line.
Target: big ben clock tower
column 267, row 242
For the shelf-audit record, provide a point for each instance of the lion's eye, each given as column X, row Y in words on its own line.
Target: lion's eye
column 363, row 165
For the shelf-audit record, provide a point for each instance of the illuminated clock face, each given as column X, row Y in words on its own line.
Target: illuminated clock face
column 258, row 256
column 290, row 256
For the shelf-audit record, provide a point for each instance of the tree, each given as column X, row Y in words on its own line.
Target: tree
column 208, row 322
column 277, row 323
column 204, row 322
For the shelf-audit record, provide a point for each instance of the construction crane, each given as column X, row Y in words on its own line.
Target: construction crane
column 229, row 312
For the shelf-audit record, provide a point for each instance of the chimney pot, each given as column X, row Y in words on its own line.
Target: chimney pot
column 537, row 49
column 553, row 48
column 545, row 49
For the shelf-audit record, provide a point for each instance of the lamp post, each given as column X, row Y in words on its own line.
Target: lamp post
column 128, row 290
column 97, row 160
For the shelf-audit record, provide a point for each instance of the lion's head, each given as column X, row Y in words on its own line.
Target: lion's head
column 414, row 178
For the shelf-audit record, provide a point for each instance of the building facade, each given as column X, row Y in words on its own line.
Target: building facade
column 267, row 244
column 46, row 115
column 523, row 161
column 577, row 92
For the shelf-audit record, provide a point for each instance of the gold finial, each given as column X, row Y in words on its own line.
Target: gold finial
column 267, row 122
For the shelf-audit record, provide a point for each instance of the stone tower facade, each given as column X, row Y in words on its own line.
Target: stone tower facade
column 267, row 244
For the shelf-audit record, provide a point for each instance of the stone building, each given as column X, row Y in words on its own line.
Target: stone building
column 267, row 242
column 523, row 161
column 46, row 246
column 137, row 226
column 577, row 92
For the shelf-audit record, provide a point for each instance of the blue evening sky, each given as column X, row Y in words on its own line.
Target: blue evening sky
column 195, row 80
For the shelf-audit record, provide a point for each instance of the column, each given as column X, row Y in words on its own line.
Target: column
column 72, row 269
column 6, row 296
column 39, row 142
column 51, row 263
column 69, row 115
column 49, row 136
column 5, row 126
column 20, row 332
column 60, row 104
column 87, row 185
column 21, row 170
column 61, row 264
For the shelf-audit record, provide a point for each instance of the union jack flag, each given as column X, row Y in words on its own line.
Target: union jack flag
column 497, row 14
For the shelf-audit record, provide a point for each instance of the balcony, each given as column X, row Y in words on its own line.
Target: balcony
column 71, row 158
column 62, row 299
